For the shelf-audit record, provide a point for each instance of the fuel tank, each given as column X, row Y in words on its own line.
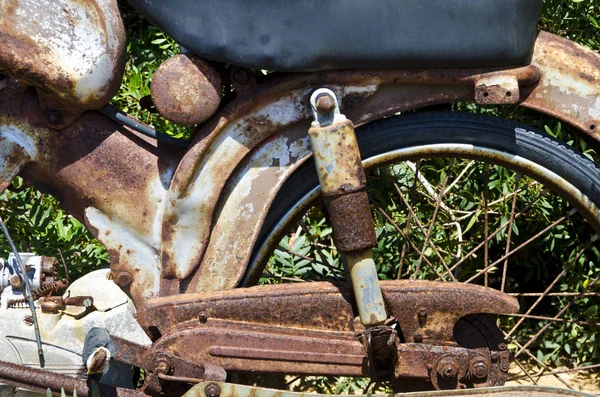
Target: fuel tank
column 72, row 50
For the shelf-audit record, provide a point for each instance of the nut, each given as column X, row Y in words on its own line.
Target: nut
column 212, row 390
column 123, row 279
column 479, row 369
column 162, row 367
column 448, row 368
column 325, row 104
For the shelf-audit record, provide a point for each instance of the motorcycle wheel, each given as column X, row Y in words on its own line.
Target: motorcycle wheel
column 520, row 212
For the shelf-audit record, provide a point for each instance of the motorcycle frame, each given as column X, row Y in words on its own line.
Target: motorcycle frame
column 197, row 214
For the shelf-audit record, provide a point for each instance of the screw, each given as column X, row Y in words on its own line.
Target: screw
column 448, row 368
column 28, row 320
column 53, row 117
column 418, row 338
column 422, row 316
column 212, row 390
column 124, row 279
column 325, row 104
column 502, row 346
column 504, row 367
column 479, row 369
column 202, row 317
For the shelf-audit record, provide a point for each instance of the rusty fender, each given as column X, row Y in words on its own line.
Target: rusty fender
column 225, row 184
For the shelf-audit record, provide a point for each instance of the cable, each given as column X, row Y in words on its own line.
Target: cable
column 126, row 120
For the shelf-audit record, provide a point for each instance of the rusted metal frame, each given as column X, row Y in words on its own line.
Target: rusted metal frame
column 215, row 389
column 249, row 121
column 75, row 52
column 270, row 305
column 569, row 85
column 39, row 380
column 94, row 167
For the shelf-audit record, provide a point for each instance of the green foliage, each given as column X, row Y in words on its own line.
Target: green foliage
column 37, row 224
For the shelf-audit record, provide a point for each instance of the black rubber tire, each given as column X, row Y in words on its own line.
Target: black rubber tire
column 428, row 128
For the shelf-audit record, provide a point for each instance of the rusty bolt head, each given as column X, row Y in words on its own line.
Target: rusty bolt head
column 479, row 369
column 502, row 346
column 504, row 366
column 422, row 312
column 15, row 281
column 494, row 356
column 202, row 317
column 325, row 104
column 123, row 279
column 162, row 367
column 448, row 368
column 212, row 390
column 28, row 320
column 53, row 117
column 418, row 337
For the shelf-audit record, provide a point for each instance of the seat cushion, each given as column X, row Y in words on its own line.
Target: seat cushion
column 309, row 35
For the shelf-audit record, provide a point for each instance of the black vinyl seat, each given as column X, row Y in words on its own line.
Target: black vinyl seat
column 309, row 35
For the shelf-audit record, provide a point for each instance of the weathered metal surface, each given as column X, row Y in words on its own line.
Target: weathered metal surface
column 233, row 390
column 112, row 179
column 254, row 329
column 186, row 89
column 275, row 108
column 352, row 222
column 71, row 49
column 39, row 380
column 569, row 86
column 500, row 89
column 366, row 287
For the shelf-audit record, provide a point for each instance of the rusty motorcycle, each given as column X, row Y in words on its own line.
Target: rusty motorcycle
column 190, row 229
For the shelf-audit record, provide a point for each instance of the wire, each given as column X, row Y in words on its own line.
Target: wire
column 128, row 121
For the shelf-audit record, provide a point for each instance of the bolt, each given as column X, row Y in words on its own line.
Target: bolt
column 212, row 390
column 494, row 356
column 28, row 320
column 448, row 368
column 202, row 317
column 16, row 282
column 422, row 317
column 502, row 346
column 162, row 367
column 418, row 338
column 124, row 279
column 504, row 367
column 53, row 117
column 325, row 104
column 479, row 369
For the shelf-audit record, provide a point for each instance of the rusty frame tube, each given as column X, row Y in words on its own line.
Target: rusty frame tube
column 39, row 380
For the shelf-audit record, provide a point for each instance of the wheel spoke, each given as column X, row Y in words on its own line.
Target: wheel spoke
column 440, row 196
column 527, row 375
column 422, row 228
column 413, row 190
column 404, row 236
column 526, row 243
column 491, row 236
column 486, row 227
column 556, row 280
column 509, row 232
column 534, row 358
column 562, row 371
column 560, row 313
